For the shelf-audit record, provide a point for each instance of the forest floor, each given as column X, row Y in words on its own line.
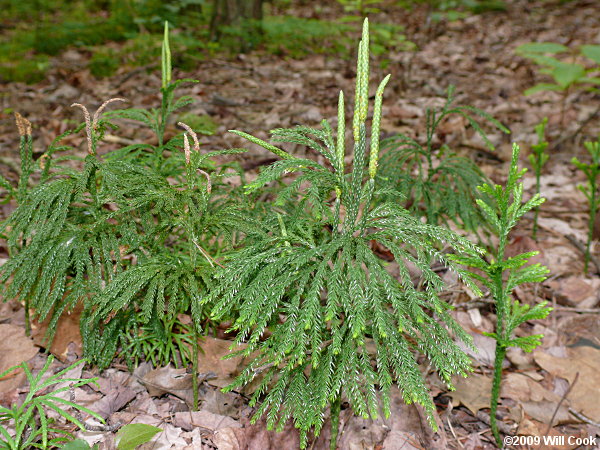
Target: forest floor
column 553, row 391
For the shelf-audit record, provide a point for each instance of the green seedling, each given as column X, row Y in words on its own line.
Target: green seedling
column 30, row 425
column 312, row 301
column 537, row 159
column 434, row 182
column 501, row 274
column 551, row 57
column 590, row 190
column 564, row 74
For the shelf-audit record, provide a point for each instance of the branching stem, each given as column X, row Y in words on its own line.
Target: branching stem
column 335, row 421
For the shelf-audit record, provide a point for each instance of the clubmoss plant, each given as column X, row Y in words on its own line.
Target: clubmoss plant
column 436, row 183
column 33, row 428
column 313, row 302
column 501, row 274
column 538, row 159
column 119, row 235
column 160, row 342
column 26, row 155
column 59, row 254
column 590, row 190
column 174, row 250
column 156, row 119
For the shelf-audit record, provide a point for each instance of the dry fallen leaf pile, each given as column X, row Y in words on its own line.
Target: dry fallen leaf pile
column 553, row 391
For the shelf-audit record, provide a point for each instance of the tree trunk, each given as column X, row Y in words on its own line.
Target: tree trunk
column 245, row 15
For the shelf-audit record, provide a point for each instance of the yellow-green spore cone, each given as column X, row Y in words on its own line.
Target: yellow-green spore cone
column 374, row 154
column 166, row 58
column 361, row 102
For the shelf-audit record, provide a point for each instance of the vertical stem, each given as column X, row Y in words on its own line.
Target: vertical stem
column 195, row 350
column 335, row 421
column 591, row 221
column 162, row 125
column 336, row 214
column 26, row 152
column 500, row 353
column 27, row 318
column 501, row 306
column 563, row 106
column 538, row 170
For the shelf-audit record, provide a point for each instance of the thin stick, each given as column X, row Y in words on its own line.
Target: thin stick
column 583, row 418
column 562, row 399
column 485, row 418
column 453, row 433
column 207, row 256
column 581, row 247
column 578, row 310
column 583, row 124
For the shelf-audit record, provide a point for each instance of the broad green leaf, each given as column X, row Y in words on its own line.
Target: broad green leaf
column 132, row 435
column 543, row 87
column 544, row 60
column 567, row 74
column 592, row 52
column 541, row 47
column 77, row 444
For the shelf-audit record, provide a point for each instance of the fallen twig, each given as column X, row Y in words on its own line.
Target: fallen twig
column 581, row 247
column 562, row 399
column 568, row 137
column 578, row 310
column 583, row 418
column 505, row 428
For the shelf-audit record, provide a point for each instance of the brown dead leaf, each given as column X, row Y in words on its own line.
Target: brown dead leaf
column 537, row 402
column 473, row 392
column 222, row 403
column 576, row 291
column 405, row 425
column 113, row 401
column 521, row 387
column 543, row 411
column 584, row 361
column 485, row 348
column 529, row 427
column 115, row 385
column 67, row 333
column 194, row 438
column 572, row 330
column 188, row 420
column 168, row 380
column 520, row 359
column 230, row 439
column 257, row 436
column 210, row 360
column 15, row 348
column 360, row 434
